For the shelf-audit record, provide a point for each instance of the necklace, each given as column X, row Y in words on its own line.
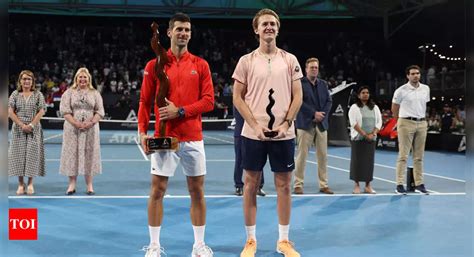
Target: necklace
column 269, row 59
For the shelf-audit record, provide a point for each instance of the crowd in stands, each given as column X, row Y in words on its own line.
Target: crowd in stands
column 452, row 119
column 440, row 78
column 54, row 52
column 117, row 53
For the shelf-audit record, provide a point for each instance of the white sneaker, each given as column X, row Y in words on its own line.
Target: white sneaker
column 202, row 250
column 153, row 250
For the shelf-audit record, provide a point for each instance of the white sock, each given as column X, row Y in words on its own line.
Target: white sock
column 283, row 232
column 251, row 231
column 154, row 235
column 199, row 234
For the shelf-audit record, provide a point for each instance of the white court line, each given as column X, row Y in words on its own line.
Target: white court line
column 107, row 160
column 54, row 136
column 140, row 160
column 381, row 179
column 223, row 135
column 218, row 139
column 227, row 196
column 141, row 150
column 427, row 174
column 393, row 168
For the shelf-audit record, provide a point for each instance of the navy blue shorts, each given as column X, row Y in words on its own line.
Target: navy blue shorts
column 280, row 153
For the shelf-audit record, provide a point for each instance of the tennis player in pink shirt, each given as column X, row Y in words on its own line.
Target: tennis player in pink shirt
column 267, row 83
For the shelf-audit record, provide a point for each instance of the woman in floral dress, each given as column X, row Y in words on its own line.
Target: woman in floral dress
column 82, row 108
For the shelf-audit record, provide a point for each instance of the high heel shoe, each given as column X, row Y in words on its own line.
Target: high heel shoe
column 30, row 190
column 90, row 193
column 71, row 192
column 21, row 190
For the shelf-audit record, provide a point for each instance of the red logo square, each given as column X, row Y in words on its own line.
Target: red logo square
column 23, row 224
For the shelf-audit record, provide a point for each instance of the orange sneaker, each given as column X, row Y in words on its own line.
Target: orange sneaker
column 286, row 248
column 250, row 248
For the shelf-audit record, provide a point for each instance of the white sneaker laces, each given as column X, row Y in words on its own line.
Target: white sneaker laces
column 204, row 250
column 152, row 250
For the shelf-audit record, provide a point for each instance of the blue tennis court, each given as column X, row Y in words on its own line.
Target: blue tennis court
column 114, row 221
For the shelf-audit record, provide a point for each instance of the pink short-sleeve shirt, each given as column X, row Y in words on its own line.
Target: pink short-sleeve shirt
column 260, row 74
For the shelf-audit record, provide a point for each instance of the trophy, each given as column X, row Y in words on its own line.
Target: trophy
column 271, row 103
column 162, row 142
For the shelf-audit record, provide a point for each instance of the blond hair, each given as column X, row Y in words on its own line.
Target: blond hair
column 312, row 59
column 27, row 73
column 86, row 71
column 262, row 12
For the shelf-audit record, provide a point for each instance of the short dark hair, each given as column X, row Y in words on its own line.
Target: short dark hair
column 412, row 67
column 182, row 17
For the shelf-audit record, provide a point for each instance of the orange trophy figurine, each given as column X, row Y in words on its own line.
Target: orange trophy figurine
column 162, row 142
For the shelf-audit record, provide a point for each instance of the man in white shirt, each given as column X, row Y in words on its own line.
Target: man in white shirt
column 409, row 106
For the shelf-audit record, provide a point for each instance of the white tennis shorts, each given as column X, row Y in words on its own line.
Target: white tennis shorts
column 190, row 154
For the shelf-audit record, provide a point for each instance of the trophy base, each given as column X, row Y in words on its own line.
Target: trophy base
column 162, row 144
column 270, row 133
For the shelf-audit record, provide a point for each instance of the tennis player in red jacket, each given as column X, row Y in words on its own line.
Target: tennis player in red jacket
column 191, row 93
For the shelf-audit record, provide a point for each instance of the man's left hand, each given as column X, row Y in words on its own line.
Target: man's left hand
column 282, row 129
column 168, row 112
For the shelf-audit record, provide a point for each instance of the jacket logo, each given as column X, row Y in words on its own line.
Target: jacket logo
column 193, row 72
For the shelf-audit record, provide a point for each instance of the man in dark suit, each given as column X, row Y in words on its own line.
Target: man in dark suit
column 312, row 125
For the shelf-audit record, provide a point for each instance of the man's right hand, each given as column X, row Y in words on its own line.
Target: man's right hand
column 319, row 116
column 143, row 138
